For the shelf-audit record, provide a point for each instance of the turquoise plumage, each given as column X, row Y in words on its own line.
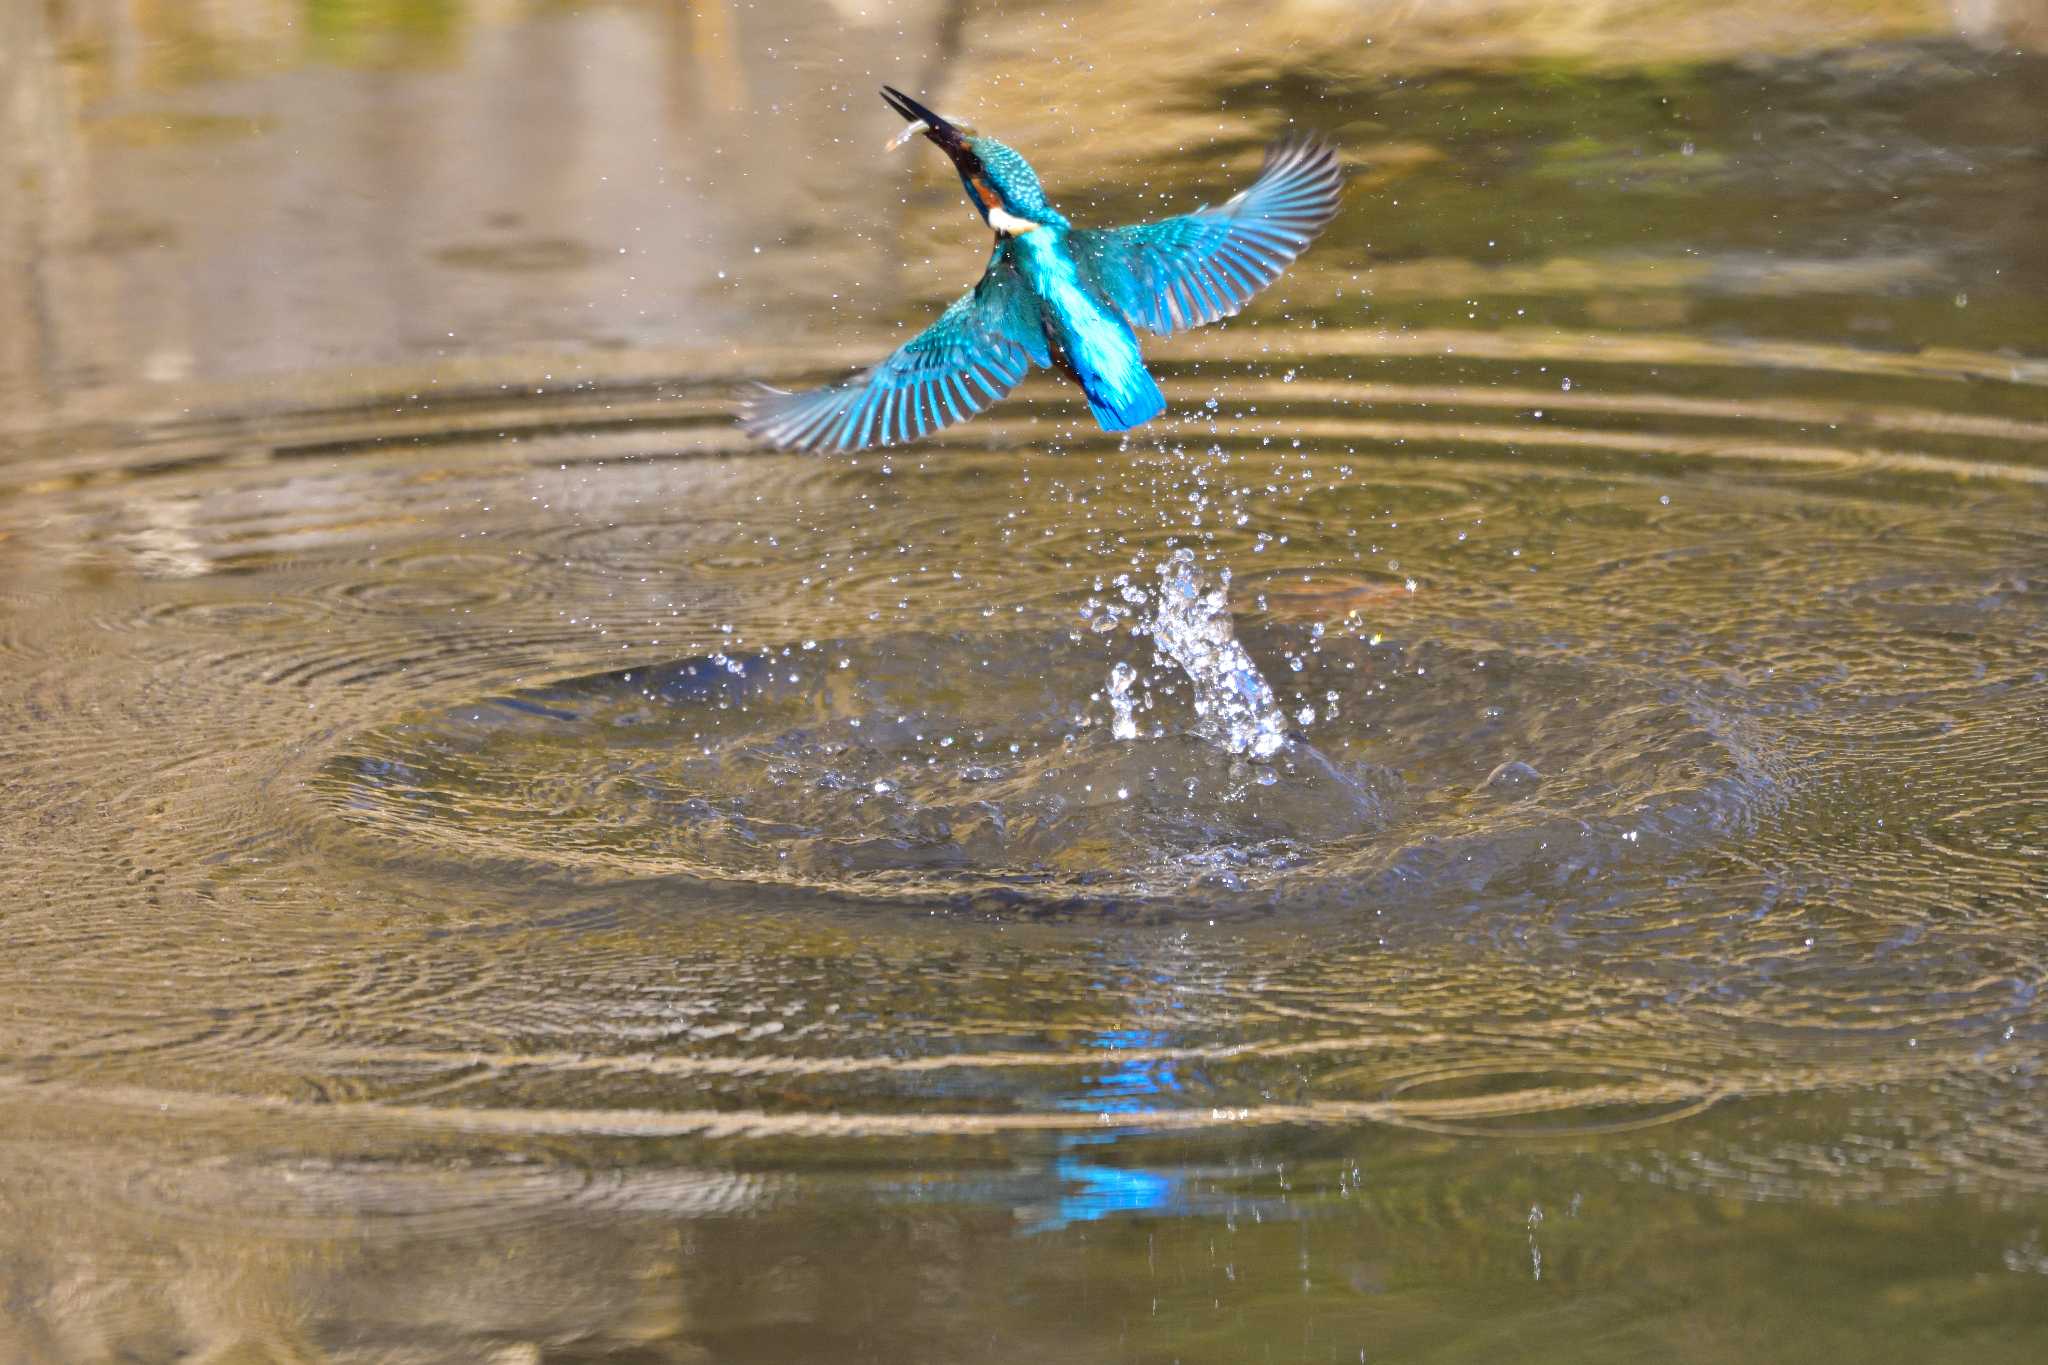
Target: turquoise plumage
column 1056, row 295
column 1183, row 272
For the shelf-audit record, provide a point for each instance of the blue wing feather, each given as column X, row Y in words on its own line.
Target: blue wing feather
column 1183, row 272
column 976, row 352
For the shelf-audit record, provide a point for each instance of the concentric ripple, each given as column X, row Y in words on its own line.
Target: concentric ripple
column 947, row 766
column 1656, row 763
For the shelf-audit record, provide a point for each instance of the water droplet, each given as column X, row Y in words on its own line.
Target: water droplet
column 1233, row 703
column 1121, row 679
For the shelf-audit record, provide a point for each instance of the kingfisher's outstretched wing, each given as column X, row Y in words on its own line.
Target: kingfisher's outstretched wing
column 974, row 354
column 1183, row 272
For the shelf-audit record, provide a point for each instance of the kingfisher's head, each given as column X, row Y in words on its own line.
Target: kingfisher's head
column 1000, row 184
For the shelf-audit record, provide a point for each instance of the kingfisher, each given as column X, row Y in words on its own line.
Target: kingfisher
column 1055, row 295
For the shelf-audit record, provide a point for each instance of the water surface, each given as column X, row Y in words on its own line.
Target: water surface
column 496, row 868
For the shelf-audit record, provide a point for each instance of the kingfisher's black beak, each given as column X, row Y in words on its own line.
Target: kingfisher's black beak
column 950, row 139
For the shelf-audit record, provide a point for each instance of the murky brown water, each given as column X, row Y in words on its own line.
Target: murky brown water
column 494, row 869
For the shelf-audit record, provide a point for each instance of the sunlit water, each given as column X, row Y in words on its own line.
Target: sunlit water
column 1512, row 815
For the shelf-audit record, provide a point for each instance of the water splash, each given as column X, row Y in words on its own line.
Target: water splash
column 1121, row 679
column 1234, row 706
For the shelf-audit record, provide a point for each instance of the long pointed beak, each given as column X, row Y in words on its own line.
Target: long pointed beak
column 922, row 120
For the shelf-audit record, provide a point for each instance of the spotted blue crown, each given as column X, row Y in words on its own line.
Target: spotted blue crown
column 1013, row 176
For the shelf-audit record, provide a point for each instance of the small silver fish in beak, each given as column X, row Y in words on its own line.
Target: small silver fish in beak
column 944, row 131
column 910, row 130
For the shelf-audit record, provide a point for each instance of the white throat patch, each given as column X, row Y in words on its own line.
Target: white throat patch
column 1007, row 223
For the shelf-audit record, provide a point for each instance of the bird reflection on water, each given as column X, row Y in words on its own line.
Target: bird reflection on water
column 1092, row 1188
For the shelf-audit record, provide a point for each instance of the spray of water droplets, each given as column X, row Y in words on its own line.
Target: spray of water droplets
column 1190, row 625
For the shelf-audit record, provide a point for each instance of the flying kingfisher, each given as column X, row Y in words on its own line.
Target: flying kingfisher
column 1055, row 294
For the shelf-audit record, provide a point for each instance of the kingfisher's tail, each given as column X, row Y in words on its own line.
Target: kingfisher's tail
column 1124, row 398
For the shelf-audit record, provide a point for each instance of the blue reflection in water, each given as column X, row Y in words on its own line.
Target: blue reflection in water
column 1129, row 1085
column 1090, row 1191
